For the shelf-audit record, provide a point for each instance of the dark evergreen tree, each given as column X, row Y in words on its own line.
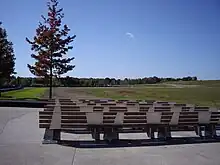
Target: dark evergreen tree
column 7, row 57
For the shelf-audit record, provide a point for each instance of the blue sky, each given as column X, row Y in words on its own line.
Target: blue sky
column 127, row 38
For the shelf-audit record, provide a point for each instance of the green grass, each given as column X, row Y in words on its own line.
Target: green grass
column 200, row 95
column 29, row 93
column 206, row 83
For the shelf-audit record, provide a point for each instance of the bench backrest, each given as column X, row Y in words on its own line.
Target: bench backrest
column 67, row 115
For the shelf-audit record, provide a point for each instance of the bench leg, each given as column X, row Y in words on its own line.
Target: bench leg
column 52, row 134
column 210, row 131
column 168, row 133
column 164, row 133
column 161, row 134
column 150, row 133
column 111, row 135
column 56, row 134
column 96, row 134
column 48, row 135
column 198, row 130
column 214, row 134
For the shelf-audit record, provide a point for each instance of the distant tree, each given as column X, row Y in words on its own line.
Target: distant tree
column 51, row 45
column 188, row 78
column 194, row 78
column 18, row 80
column 125, row 82
column 101, row 82
column 94, row 82
column 7, row 57
column 39, row 81
column 157, row 80
column 149, row 80
column 113, row 81
column 107, row 81
column 82, row 83
column 118, row 82
column 13, row 81
column 68, row 81
column 169, row 79
column 139, row 81
column 144, row 80
column 91, row 82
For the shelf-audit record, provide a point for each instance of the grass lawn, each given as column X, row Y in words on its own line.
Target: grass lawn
column 199, row 95
column 204, row 83
column 28, row 93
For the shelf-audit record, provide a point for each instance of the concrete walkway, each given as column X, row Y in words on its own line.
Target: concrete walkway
column 21, row 140
column 21, row 144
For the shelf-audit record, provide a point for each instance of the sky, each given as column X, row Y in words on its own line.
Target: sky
column 126, row 38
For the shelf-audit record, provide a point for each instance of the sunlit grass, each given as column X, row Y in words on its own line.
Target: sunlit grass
column 201, row 95
column 29, row 93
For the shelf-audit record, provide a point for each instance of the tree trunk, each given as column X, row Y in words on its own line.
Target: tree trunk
column 51, row 76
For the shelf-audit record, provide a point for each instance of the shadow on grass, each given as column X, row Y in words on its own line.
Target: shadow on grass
column 135, row 143
column 6, row 97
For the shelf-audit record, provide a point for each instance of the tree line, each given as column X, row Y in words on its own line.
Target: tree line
column 92, row 82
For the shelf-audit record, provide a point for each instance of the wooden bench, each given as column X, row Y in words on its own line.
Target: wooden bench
column 112, row 119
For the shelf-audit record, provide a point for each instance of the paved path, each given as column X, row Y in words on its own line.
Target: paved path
column 20, row 140
column 21, row 144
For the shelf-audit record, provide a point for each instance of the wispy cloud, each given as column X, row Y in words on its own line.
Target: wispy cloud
column 130, row 35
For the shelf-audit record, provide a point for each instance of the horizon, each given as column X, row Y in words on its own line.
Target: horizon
column 124, row 78
column 126, row 39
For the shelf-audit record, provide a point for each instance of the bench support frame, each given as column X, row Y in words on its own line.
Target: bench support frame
column 110, row 134
column 210, row 131
column 96, row 134
column 163, row 133
column 52, row 135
